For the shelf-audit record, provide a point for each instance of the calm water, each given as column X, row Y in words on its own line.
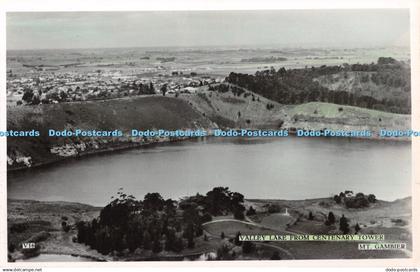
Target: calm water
column 285, row 168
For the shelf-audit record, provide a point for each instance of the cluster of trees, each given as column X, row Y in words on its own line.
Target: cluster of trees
column 264, row 59
column 357, row 201
column 139, row 88
column 126, row 224
column 219, row 201
column 31, row 97
column 344, row 225
column 297, row 86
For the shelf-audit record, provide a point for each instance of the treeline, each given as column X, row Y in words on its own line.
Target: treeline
column 127, row 225
column 357, row 201
column 50, row 95
column 139, row 88
column 297, row 86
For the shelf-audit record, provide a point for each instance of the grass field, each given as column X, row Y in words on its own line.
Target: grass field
column 319, row 115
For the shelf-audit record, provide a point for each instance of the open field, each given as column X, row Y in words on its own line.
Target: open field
column 320, row 116
column 214, row 61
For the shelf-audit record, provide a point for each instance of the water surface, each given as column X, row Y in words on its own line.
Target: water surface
column 281, row 168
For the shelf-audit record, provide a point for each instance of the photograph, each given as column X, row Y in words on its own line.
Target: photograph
column 209, row 135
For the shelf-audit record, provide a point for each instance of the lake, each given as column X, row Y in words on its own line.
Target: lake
column 280, row 168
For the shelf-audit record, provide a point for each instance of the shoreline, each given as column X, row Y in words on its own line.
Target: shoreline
column 81, row 155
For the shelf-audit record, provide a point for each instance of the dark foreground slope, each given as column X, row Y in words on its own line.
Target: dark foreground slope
column 42, row 222
column 141, row 113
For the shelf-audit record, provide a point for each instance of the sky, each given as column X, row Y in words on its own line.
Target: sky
column 287, row 28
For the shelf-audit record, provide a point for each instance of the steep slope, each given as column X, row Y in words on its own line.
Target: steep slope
column 229, row 110
column 153, row 112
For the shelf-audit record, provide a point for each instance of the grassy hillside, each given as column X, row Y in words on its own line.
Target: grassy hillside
column 318, row 115
column 382, row 86
column 223, row 108
column 125, row 114
column 233, row 111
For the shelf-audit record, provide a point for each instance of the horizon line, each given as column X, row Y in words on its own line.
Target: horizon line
column 238, row 47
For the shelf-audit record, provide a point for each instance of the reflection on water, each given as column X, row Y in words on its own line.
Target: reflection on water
column 282, row 168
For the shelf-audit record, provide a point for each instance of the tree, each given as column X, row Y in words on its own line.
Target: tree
column 27, row 95
column 63, row 95
column 170, row 240
column 330, row 219
column 357, row 228
column 157, row 247
column 238, row 212
column 251, row 211
column 35, row 100
column 178, row 245
column 151, row 88
column 248, row 247
column 189, row 234
column 147, row 240
column 153, row 201
column 337, row 199
column 238, row 242
column 344, row 225
column 223, row 253
column 310, row 216
column 371, row 198
column 164, row 89
column 65, row 227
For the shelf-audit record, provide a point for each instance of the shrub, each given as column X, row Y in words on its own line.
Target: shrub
column 310, row 216
column 19, row 227
column 356, row 202
column 11, row 247
column 337, row 199
column 273, row 208
column 344, row 225
column 237, row 240
column 65, row 227
column 330, row 219
column 357, row 228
